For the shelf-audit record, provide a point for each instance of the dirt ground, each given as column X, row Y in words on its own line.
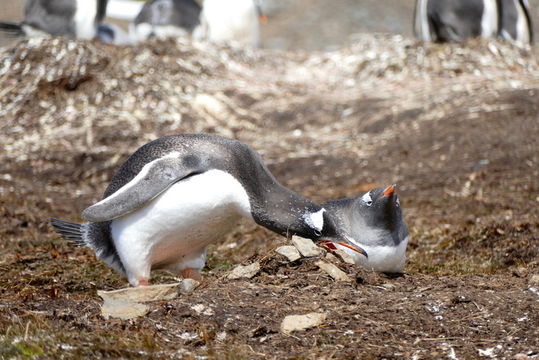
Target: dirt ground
column 455, row 126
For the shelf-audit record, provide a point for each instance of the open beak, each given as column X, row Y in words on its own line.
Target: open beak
column 331, row 245
column 389, row 190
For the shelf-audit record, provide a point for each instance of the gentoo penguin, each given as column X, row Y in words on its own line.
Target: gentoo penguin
column 165, row 18
column 515, row 21
column 70, row 18
column 458, row 20
column 234, row 21
column 455, row 20
column 112, row 34
column 176, row 195
column 375, row 223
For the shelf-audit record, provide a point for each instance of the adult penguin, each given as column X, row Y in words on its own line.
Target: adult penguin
column 176, row 195
column 76, row 19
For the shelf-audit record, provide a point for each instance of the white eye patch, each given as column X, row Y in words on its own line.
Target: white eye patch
column 367, row 198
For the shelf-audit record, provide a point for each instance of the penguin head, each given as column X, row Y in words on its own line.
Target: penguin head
column 380, row 209
column 322, row 228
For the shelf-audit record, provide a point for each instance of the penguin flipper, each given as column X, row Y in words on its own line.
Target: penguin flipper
column 154, row 178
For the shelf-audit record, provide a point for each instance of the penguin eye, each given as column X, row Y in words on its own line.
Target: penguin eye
column 367, row 199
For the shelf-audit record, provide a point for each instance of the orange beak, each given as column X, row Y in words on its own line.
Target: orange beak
column 263, row 19
column 389, row 190
column 331, row 245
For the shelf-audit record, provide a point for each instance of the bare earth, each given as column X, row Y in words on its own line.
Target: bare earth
column 454, row 126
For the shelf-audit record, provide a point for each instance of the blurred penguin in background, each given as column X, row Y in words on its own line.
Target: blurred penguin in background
column 515, row 21
column 236, row 21
column 113, row 34
column 165, row 18
column 458, row 20
column 76, row 19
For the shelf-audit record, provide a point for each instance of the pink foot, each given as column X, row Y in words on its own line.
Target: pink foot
column 144, row 282
column 191, row 273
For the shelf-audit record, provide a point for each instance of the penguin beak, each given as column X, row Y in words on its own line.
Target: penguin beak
column 331, row 245
column 389, row 190
column 263, row 19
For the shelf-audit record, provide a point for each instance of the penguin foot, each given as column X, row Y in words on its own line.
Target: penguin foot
column 144, row 282
column 191, row 273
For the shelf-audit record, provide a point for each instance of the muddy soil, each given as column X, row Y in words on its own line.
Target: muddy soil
column 454, row 126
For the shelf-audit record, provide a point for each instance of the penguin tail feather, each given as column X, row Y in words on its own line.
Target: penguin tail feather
column 72, row 232
column 11, row 29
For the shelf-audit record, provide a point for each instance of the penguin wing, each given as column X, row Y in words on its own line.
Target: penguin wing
column 154, row 178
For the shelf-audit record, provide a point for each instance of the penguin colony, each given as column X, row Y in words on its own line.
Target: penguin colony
column 237, row 21
column 176, row 195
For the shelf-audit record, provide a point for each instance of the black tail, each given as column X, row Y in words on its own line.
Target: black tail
column 96, row 236
column 70, row 231
column 11, row 29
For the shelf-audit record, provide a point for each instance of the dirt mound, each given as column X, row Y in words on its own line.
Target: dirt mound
column 453, row 125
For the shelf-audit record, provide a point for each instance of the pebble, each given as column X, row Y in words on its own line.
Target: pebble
column 141, row 294
column 346, row 257
column 290, row 252
column 302, row 322
column 247, row 272
column 534, row 280
column 187, row 286
column 123, row 309
column 333, row 271
column 306, row 247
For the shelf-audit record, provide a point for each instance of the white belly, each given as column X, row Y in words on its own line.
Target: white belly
column 85, row 19
column 181, row 221
column 232, row 20
column 389, row 259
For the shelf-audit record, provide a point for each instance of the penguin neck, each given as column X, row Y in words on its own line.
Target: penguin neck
column 286, row 212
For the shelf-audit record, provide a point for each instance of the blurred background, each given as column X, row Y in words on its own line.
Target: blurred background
column 312, row 24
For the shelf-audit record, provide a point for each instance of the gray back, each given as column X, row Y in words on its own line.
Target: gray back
column 51, row 16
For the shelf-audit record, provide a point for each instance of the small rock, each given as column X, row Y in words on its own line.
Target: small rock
column 123, row 309
column 141, row 293
column 302, row 322
column 248, row 271
column 188, row 285
column 203, row 310
column 306, row 247
column 388, row 286
column 332, row 258
column 290, row 252
column 534, row 280
column 347, row 258
column 333, row 271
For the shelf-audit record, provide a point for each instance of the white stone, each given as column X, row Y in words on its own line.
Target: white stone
column 333, row 271
column 345, row 257
column 202, row 309
column 290, row 252
column 141, row 294
column 306, row 247
column 302, row 322
column 247, row 272
column 534, row 280
column 123, row 309
column 187, row 286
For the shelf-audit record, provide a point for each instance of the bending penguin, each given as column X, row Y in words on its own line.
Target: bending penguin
column 375, row 221
column 77, row 19
column 458, row 20
column 176, row 195
column 165, row 18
